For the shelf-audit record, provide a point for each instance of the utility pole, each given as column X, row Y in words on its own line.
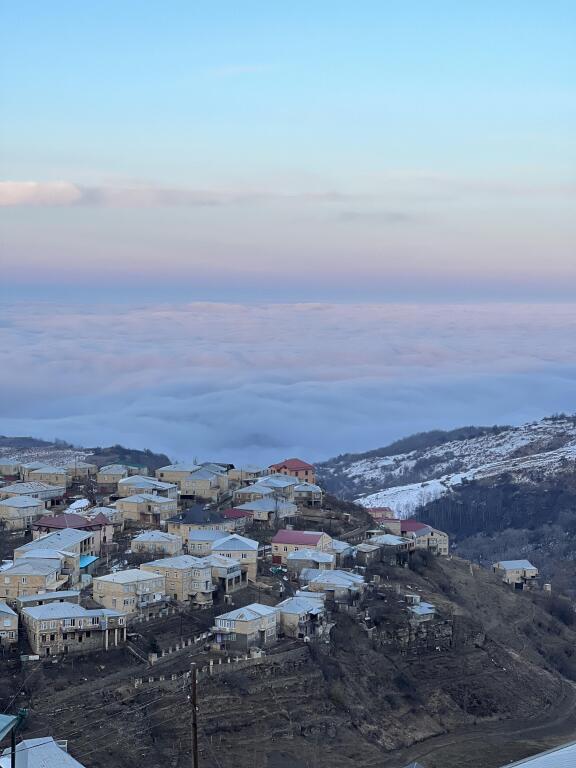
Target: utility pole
column 193, row 681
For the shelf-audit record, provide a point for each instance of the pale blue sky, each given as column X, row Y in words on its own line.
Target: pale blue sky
column 362, row 144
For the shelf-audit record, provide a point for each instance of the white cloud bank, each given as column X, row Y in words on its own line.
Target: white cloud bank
column 258, row 382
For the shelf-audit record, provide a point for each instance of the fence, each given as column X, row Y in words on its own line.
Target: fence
column 214, row 667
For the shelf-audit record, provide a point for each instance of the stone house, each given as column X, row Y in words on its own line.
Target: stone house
column 17, row 513
column 99, row 526
column 146, row 509
column 80, row 470
column 156, row 543
column 394, row 550
column 251, row 493
column 136, row 484
column 367, row 554
column 43, row 598
column 244, row 475
column 308, row 495
column 10, row 467
column 30, row 466
column 301, row 470
column 518, row 573
column 198, row 518
column 227, row 575
column 131, row 591
column 255, row 625
column 76, row 550
column 286, row 541
column 309, row 558
column 58, row 628
column 110, row 475
column 239, row 548
column 8, row 625
column 200, row 542
column 188, row 579
column 270, row 510
column 426, row 537
column 338, row 586
column 51, row 475
column 50, row 494
column 301, row 617
column 31, row 576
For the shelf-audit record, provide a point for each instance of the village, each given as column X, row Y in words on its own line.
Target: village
column 222, row 565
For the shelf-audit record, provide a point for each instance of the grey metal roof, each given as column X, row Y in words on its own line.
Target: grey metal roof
column 20, row 501
column 249, row 612
column 40, row 753
column 57, row 540
column 180, row 562
column 560, row 757
column 235, row 542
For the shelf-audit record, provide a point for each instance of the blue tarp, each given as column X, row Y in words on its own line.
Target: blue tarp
column 86, row 560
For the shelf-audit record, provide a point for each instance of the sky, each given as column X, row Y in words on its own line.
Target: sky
column 304, row 150
column 171, row 165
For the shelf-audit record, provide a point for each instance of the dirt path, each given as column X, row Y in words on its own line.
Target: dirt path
column 447, row 750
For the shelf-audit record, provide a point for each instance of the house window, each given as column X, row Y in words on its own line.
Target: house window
column 24, row 579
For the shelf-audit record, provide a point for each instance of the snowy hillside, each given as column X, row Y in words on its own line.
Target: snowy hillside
column 408, row 480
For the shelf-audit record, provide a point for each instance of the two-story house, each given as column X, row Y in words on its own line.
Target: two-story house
column 156, row 543
column 188, row 579
column 17, row 513
column 131, row 591
column 8, row 625
column 286, row 541
column 255, row 625
column 146, row 508
column 58, row 628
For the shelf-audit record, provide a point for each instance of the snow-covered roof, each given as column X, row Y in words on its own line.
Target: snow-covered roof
column 128, row 576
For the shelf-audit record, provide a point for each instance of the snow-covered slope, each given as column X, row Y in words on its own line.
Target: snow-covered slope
column 529, row 453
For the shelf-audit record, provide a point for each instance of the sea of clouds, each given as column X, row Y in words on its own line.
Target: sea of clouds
column 260, row 382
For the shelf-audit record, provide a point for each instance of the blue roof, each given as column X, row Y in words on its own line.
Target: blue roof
column 86, row 560
column 512, row 565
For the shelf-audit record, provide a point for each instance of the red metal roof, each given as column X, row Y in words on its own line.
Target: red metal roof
column 293, row 464
column 411, row 526
column 297, row 537
column 69, row 521
column 235, row 514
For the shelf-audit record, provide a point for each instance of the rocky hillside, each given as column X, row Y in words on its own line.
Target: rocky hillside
column 418, row 470
column 24, row 449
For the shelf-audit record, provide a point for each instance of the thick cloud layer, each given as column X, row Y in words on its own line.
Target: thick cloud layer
column 260, row 382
